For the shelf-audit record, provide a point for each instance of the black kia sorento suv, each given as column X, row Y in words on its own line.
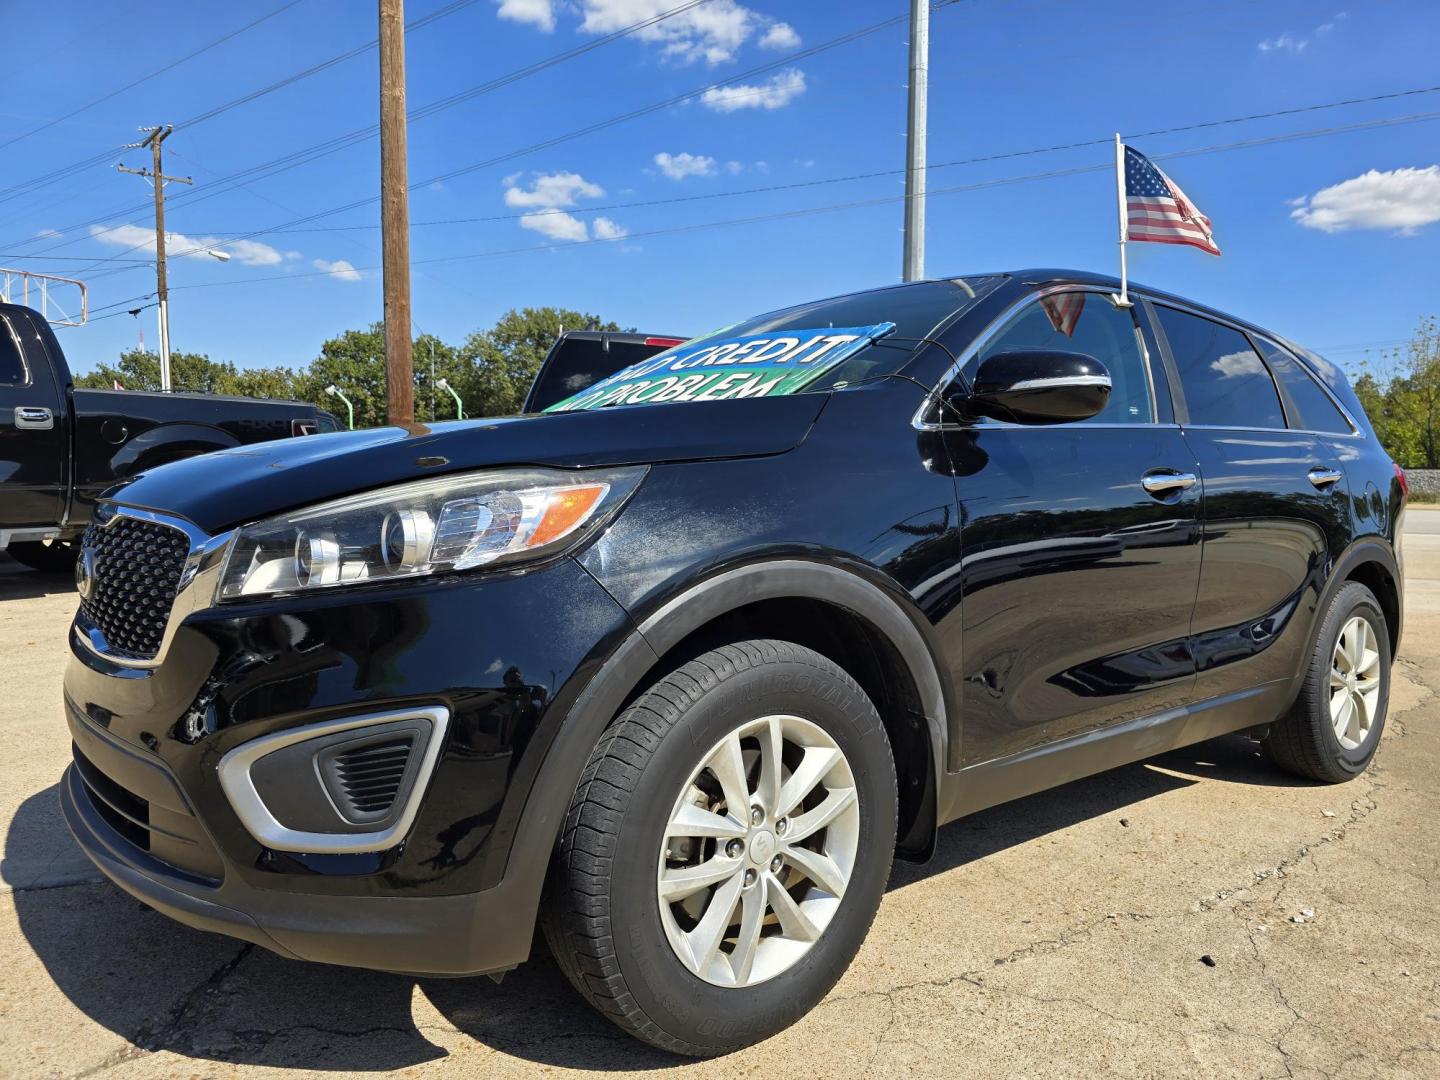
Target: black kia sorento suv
column 677, row 667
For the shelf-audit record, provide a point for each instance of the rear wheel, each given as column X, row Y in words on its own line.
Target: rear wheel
column 1333, row 729
column 726, row 849
column 51, row 556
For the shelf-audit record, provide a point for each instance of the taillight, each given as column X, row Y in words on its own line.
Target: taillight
column 1404, row 484
column 666, row 342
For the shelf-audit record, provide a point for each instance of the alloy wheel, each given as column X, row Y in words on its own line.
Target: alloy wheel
column 758, row 851
column 1354, row 683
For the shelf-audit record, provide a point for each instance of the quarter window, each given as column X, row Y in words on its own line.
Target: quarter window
column 12, row 364
column 1088, row 323
column 1316, row 411
column 1225, row 382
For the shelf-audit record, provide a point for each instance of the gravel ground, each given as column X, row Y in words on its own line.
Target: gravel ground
column 1147, row 922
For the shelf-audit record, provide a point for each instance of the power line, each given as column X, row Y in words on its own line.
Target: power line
column 340, row 142
column 982, row 159
column 853, row 205
column 20, row 189
column 159, row 71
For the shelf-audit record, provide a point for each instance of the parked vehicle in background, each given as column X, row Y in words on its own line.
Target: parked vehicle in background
column 581, row 358
column 60, row 447
column 679, row 665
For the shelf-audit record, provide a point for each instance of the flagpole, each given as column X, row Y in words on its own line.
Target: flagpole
column 1124, row 300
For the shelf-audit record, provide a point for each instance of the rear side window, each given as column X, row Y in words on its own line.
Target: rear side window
column 1084, row 323
column 12, row 363
column 582, row 362
column 1225, row 382
column 1317, row 411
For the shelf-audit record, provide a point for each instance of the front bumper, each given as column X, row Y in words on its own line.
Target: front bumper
column 506, row 656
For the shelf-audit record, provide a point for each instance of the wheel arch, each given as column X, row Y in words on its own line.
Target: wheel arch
column 847, row 618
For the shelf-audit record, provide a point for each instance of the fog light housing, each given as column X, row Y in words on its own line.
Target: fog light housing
column 338, row 787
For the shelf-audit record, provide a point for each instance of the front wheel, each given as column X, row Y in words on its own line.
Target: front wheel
column 726, row 849
column 50, row 556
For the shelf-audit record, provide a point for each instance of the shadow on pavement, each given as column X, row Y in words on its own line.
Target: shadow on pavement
column 163, row 986
column 18, row 582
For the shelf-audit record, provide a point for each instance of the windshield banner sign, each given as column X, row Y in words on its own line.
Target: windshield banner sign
column 714, row 369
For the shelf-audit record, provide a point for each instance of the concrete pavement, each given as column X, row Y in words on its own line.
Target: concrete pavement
column 1146, row 922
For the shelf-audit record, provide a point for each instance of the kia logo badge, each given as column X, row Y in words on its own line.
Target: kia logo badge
column 85, row 573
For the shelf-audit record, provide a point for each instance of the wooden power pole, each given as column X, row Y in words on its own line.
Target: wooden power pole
column 162, row 292
column 395, row 215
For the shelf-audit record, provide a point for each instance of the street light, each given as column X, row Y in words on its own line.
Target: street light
column 334, row 391
column 459, row 407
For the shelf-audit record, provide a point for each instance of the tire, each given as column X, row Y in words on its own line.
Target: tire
column 49, row 556
column 1306, row 741
column 602, row 915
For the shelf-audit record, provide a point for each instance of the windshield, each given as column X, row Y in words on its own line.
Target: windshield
column 806, row 348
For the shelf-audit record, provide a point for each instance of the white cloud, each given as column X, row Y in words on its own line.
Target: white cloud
column 774, row 93
column 712, row 32
column 1405, row 200
column 605, row 229
column 734, row 168
column 551, row 190
column 1286, row 42
column 780, row 36
column 1238, row 363
column 538, row 13
column 48, row 234
column 340, row 268
column 679, row 166
column 1295, row 44
column 556, row 224
column 178, row 245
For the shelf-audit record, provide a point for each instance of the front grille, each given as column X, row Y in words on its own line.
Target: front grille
column 370, row 776
column 135, row 567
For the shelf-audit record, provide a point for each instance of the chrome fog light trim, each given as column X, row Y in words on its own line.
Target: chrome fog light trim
column 239, row 786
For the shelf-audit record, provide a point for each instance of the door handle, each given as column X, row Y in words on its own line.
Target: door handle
column 1164, row 482
column 34, row 417
column 1322, row 477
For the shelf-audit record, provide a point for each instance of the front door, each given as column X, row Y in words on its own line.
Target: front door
column 1080, row 545
column 32, row 432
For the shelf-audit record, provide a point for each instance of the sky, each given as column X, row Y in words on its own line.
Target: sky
column 576, row 185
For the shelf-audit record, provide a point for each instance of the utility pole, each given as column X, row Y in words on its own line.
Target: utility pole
column 914, row 268
column 395, row 216
column 157, row 177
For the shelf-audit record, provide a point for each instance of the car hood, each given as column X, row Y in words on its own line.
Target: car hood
column 230, row 487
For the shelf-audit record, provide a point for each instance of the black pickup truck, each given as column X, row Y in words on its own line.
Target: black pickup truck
column 60, row 447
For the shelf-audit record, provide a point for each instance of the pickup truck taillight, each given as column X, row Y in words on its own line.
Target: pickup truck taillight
column 1404, row 484
column 665, row 342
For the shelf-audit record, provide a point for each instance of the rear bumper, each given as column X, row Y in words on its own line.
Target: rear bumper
column 468, row 934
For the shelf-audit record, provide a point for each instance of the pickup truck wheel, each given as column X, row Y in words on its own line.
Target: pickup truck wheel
column 726, row 849
column 51, row 556
column 1333, row 729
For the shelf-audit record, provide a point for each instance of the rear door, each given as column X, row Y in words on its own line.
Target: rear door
column 32, row 429
column 1276, row 506
column 1080, row 545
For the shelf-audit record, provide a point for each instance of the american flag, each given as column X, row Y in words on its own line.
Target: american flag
column 1158, row 211
column 1064, row 311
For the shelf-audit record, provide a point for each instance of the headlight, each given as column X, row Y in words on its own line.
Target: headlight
column 452, row 523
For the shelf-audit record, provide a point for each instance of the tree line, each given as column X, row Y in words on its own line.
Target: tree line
column 491, row 369
column 1402, row 398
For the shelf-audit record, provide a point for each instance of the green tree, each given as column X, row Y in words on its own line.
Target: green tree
column 139, row 369
column 354, row 362
column 505, row 358
column 1403, row 402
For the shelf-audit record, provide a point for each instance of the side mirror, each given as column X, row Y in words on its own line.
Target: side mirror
column 1038, row 387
